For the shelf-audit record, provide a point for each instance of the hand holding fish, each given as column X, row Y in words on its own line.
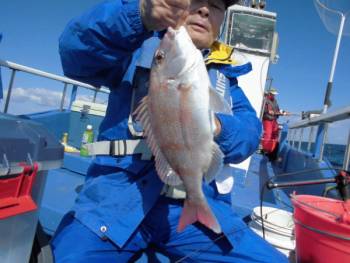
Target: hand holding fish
column 160, row 14
column 217, row 126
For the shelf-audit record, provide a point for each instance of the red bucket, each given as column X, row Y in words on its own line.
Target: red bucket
column 322, row 229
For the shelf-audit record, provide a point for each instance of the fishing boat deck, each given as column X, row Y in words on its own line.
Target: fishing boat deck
column 64, row 184
column 247, row 189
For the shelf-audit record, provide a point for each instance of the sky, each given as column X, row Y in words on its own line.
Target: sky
column 30, row 37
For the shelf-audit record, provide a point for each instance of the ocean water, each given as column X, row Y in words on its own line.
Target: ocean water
column 333, row 152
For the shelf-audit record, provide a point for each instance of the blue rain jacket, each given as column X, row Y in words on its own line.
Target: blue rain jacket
column 105, row 46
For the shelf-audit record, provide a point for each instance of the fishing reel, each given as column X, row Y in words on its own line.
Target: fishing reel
column 342, row 181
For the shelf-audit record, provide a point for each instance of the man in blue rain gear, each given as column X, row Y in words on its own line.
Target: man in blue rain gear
column 123, row 208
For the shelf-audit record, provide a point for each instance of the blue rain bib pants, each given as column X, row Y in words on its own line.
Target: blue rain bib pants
column 76, row 243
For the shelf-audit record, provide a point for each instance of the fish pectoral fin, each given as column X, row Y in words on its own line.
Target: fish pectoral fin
column 216, row 164
column 201, row 212
column 218, row 103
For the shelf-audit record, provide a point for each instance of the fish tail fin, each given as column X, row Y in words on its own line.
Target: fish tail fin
column 201, row 212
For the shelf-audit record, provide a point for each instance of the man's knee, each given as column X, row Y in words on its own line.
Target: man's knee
column 74, row 242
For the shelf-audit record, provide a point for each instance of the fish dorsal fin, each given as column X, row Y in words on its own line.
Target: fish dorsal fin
column 217, row 103
column 216, row 163
column 165, row 172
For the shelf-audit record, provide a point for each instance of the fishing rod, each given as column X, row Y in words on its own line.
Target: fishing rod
column 287, row 113
column 293, row 114
column 342, row 180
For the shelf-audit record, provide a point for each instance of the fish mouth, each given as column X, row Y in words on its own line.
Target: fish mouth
column 171, row 33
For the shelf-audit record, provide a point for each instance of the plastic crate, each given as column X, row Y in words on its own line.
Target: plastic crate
column 27, row 151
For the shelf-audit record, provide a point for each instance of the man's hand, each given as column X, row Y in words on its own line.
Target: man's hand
column 271, row 112
column 217, row 126
column 160, row 14
column 284, row 113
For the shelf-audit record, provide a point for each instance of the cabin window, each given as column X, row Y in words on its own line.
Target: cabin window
column 250, row 32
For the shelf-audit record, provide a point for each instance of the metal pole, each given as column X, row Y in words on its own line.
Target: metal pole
column 310, row 138
column 9, row 91
column 300, row 138
column 327, row 101
column 271, row 79
column 95, row 95
column 264, row 99
column 73, row 96
column 288, row 136
column 347, row 155
column 294, row 137
column 63, row 96
column 44, row 74
column 323, row 142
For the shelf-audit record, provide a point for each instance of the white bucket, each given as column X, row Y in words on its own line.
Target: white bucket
column 278, row 225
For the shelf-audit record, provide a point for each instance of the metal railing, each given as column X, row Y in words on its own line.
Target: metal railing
column 322, row 121
column 66, row 81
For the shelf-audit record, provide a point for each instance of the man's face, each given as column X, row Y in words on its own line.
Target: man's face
column 204, row 21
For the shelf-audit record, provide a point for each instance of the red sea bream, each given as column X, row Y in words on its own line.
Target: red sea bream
column 178, row 119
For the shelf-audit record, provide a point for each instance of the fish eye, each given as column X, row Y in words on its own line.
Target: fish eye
column 159, row 56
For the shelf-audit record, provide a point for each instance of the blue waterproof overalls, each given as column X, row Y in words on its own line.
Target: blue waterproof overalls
column 120, row 211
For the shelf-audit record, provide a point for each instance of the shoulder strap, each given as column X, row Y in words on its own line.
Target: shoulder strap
column 140, row 81
column 221, row 83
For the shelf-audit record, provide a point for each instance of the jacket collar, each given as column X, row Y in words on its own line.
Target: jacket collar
column 223, row 57
column 220, row 54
